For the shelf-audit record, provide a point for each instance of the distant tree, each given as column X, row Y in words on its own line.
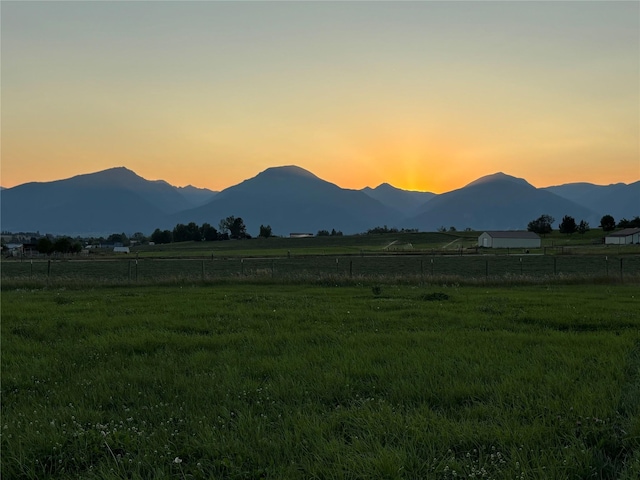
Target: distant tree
column 583, row 227
column 265, row 231
column 208, row 233
column 442, row 229
column 161, row 236
column 118, row 238
column 180, row 233
column 541, row 225
column 607, row 223
column 62, row 245
column 45, row 245
column 452, row 229
column 226, row 223
column 336, row 233
column 323, row 233
column 138, row 237
column 187, row 233
column 237, row 229
column 193, row 232
column 383, row 229
column 568, row 225
column 624, row 223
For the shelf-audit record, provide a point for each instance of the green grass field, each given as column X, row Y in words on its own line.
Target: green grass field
column 412, row 268
column 340, row 380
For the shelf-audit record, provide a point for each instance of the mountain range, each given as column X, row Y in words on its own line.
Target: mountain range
column 291, row 199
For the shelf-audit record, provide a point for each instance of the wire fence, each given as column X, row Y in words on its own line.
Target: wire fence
column 465, row 267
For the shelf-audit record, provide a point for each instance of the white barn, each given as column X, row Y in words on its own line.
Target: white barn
column 509, row 239
column 623, row 237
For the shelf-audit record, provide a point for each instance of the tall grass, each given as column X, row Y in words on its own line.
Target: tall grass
column 275, row 380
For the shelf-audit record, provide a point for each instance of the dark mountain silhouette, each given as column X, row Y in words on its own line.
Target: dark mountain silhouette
column 196, row 196
column 405, row 201
column 114, row 200
column 495, row 202
column 291, row 199
column 619, row 200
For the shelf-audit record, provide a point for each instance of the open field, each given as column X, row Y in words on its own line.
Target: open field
column 416, row 257
column 269, row 380
column 375, row 244
column 407, row 267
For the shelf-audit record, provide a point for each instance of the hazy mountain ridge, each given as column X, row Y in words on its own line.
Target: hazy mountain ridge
column 622, row 198
column 292, row 199
column 496, row 202
column 406, row 201
column 196, row 196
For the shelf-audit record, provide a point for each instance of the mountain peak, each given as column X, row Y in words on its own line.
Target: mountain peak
column 288, row 170
column 498, row 177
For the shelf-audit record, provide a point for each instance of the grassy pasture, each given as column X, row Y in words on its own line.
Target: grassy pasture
column 415, row 268
column 422, row 242
column 274, row 380
column 425, row 257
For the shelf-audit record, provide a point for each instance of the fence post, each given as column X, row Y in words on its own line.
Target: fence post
column 554, row 265
column 129, row 270
column 242, row 266
column 520, row 266
column 621, row 269
column 606, row 265
column 31, row 273
column 350, row 268
column 432, row 266
column 202, row 269
column 486, row 268
column 136, row 268
column 272, row 268
column 49, row 268
column 336, row 266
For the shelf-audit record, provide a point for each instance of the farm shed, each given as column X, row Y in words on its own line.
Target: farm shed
column 509, row 239
column 623, row 237
column 120, row 249
column 300, row 235
column 14, row 249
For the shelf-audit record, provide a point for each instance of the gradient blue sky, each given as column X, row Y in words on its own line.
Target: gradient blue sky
column 423, row 95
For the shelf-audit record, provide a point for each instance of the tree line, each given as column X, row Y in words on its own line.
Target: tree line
column 228, row 228
column 543, row 224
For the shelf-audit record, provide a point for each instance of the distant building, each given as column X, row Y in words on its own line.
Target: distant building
column 509, row 239
column 120, row 249
column 623, row 237
column 300, row 235
column 14, row 249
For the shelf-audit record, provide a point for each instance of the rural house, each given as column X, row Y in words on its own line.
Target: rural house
column 509, row 239
column 623, row 237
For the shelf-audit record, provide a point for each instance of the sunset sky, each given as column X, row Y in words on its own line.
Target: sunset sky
column 423, row 95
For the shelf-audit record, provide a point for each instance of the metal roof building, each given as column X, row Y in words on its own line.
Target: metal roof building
column 623, row 237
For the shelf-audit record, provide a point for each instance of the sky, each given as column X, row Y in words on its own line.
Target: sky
column 424, row 95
